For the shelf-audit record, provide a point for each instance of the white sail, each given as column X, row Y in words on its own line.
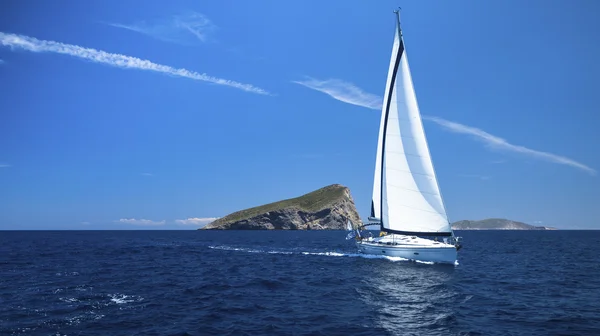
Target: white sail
column 411, row 199
column 376, row 200
column 406, row 197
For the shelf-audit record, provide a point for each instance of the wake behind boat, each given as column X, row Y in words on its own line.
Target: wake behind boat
column 407, row 203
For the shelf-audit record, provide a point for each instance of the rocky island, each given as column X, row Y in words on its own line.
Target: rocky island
column 495, row 224
column 328, row 208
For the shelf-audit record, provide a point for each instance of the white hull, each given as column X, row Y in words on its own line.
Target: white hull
column 410, row 248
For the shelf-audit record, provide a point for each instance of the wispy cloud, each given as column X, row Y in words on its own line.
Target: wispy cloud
column 85, row 223
column 196, row 221
column 185, row 29
column 4, row 165
column 145, row 222
column 499, row 143
column 343, row 91
column 351, row 94
column 147, row 174
column 1, row 61
column 117, row 60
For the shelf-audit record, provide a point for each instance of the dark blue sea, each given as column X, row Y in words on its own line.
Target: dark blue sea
column 293, row 283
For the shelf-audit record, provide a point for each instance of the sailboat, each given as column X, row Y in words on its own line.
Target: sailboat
column 407, row 203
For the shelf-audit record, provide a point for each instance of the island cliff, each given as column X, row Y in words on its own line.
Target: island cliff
column 328, row 208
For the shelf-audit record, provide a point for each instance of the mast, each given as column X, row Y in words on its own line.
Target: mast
column 392, row 81
column 397, row 12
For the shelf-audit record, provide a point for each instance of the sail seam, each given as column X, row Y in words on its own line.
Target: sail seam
column 417, row 155
column 407, row 206
column 410, row 172
column 404, row 119
column 399, row 134
column 419, row 191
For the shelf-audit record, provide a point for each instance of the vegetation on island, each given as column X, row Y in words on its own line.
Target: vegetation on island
column 310, row 203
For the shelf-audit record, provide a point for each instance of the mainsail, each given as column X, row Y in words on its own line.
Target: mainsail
column 376, row 200
column 406, row 195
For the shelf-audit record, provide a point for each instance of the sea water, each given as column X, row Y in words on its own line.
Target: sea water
column 293, row 283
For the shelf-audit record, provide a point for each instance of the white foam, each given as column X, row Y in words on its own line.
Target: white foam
column 366, row 256
column 68, row 299
column 279, row 252
column 328, row 254
column 75, row 319
column 122, row 298
column 84, row 317
column 241, row 249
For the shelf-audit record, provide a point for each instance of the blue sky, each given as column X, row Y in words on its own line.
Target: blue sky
column 156, row 115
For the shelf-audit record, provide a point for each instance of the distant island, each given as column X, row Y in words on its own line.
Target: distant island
column 495, row 224
column 329, row 208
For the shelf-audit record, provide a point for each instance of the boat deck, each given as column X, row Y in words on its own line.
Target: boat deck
column 413, row 241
